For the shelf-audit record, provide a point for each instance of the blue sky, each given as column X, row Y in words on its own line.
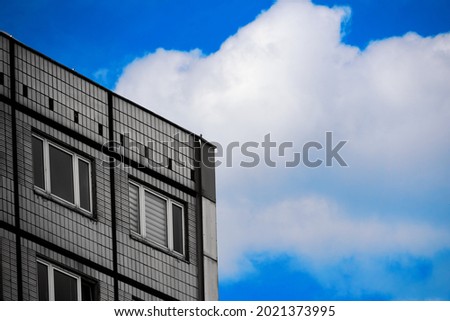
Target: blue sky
column 375, row 73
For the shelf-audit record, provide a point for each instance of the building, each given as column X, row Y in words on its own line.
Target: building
column 100, row 199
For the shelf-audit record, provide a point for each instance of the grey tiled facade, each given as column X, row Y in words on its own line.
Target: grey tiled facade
column 97, row 234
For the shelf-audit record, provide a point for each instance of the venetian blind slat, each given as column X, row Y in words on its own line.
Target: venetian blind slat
column 156, row 219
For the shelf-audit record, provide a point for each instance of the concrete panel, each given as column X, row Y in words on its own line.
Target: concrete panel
column 209, row 228
column 211, row 280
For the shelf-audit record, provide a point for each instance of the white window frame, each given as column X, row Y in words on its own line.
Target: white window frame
column 51, row 280
column 169, row 218
column 76, row 177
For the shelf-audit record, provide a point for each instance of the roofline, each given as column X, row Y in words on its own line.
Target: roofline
column 198, row 137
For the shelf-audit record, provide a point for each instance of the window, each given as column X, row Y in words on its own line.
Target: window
column 157, row 218
column 62, row 173
column 51, row 103
column 56, row 284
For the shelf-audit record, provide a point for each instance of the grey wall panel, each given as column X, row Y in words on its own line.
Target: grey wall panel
column 145, row 263
column 8, row 266
column 52, row 220
column 210, row 249
column 170, row 150
column 45, row 80
column 209, row 228
column 211, row 279
column 208, row 171
column 130, row 293
column 6, row 161
column 5, row 81
column 32, row 251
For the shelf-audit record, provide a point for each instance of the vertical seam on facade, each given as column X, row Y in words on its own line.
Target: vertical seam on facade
column 199, row 217
column 112, row 185
column 12, row 71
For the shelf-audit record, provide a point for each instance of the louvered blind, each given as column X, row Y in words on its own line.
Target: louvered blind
column 134, row 208
column 156, row 218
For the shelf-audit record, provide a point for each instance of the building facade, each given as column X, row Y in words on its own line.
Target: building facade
column 100, row 199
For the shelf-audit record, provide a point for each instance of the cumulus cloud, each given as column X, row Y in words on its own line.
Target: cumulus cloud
column 319, row 231
column 289, row 73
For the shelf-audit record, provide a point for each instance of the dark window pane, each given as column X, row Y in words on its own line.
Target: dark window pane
column 42, row 282
column 65, row 287
column 61, row 173
column 177, row 221
column 134, row 208
column 38, row 163
column 85, row 188
column 87, row 291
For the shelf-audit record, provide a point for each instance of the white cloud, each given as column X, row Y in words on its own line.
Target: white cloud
column 319, row 231
column 289, row 73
